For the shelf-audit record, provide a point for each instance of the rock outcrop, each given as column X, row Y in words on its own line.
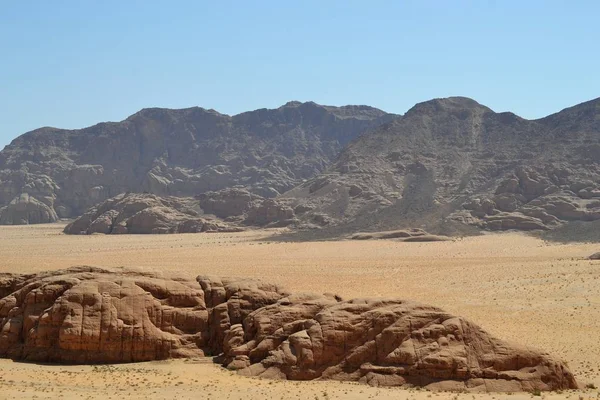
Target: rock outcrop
column 145, row 214
column 384, row 343
column 270, row 212
column 227, row 203
column 455, row 166
column 26, row 209
column 403, row 235
column 595, row 256
column 241, row 206
column 94, row 315
column 179, row 153
column 149, row 213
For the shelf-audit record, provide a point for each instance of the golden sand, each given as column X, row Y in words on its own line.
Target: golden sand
column 517, row 287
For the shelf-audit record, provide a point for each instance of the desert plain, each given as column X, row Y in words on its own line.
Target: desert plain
column 517, row 287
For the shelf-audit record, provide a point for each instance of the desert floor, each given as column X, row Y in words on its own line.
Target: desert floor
column 517, row 287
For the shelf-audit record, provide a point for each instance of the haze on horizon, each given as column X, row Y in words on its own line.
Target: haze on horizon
column 72, row 64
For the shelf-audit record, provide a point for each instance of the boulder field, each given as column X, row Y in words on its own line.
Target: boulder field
column 95, row 315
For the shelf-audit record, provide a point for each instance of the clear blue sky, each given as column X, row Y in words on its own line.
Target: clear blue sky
column 74, row 63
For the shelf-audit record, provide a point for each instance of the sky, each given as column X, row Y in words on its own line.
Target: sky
column 71, row 64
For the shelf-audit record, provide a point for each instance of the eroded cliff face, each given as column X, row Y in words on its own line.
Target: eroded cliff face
column 94, row 315
column 452, row 163
column 174, row 152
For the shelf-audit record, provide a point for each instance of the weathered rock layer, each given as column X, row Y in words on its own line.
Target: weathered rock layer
column 93, row 315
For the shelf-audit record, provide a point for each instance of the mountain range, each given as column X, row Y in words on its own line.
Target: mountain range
column 53, row 173
column 448, row 165
column 453, row 165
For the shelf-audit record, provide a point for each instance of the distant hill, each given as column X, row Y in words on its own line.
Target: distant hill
column 51, row 173
column 454, row 166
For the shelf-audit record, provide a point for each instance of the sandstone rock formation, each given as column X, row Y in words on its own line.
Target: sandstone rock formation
column 148, row 213
column 26, row 209
column 270, row 212
column 144, row 214
column 226, row 203
column 384, row 343
column 404, row 235
column 178, row 153
column 595, row 256
column 94, row 315
column 240, row 205
column 453, row 165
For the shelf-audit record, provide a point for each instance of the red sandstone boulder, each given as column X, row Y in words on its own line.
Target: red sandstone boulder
column 385, row 343
column 94, row 315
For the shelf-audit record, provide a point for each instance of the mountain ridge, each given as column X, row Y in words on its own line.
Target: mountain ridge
column 448, row 165
column 181, row 152
column 453, row 165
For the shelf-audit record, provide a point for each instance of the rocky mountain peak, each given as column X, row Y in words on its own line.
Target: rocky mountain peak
column 581, row 116
column 446, row 105
column 292, row 103
column 168, row 114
